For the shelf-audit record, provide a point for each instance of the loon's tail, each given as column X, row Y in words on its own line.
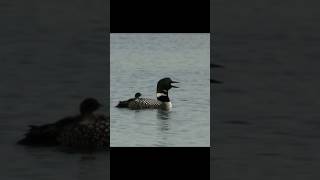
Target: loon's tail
column 123, row 104
column 44, row 135
column 40, row 135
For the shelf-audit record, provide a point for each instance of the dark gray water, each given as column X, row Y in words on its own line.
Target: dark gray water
column 52, row 55
column 138, row 61
column 266, row 114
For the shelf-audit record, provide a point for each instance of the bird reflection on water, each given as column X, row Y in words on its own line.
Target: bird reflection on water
column 163, row 117
column 163, row 126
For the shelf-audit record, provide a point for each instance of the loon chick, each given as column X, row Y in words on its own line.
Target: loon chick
column 86, row 130
column 162, row 101
column 137, row 95
column 124, row 104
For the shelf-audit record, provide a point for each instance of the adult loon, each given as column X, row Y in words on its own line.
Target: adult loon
column 162, row 101
column 86, row 130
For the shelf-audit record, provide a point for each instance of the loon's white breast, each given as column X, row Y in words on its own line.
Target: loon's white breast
column 167, row 105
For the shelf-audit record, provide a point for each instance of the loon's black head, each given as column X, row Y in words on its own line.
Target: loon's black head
column 137, row 95
column 89, row 105
column 165, row 84
column 163, row 87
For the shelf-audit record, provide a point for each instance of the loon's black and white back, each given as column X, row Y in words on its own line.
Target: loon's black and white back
column 87, row 130
column 162, row 101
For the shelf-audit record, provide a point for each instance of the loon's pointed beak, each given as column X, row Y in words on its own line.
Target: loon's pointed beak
column 173, row 85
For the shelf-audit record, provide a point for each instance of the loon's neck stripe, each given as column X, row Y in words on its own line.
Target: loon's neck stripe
column 161, row 94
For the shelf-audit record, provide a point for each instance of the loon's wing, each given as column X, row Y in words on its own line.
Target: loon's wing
column 46, row 135
column 124, row 104
column 94, row 134
column 144, row 103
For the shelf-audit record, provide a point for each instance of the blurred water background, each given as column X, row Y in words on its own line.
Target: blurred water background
column 266, row 114
column 52, row 55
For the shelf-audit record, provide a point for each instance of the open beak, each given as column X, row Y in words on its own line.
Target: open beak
column 173, row 85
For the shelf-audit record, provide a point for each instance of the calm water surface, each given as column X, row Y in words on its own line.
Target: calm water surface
column 138, row 61
column 51, row 58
